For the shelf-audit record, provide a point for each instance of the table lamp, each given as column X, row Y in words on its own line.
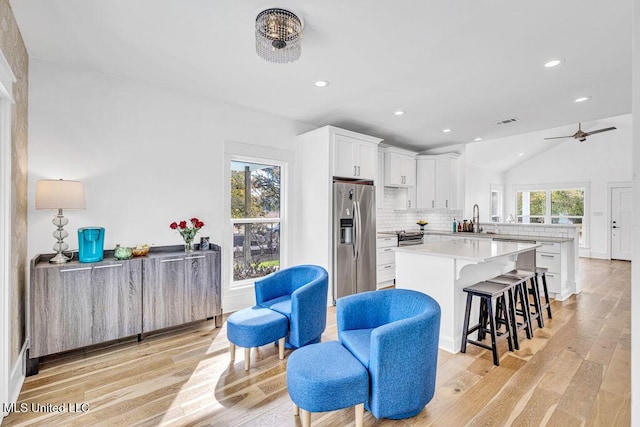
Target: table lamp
column 59, row 194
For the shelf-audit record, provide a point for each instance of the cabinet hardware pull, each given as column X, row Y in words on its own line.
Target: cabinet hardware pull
column 409, row 203
column 172, row 260
column 194, row 257
column 387, row 266
column 433, row 203
column 358, row 170
column 107, row 266
column 547, row 256
column 446, row 203
column 386, row 250
column 354, row 171
column 75, row 269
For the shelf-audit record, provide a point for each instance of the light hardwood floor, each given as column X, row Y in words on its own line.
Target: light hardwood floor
column 576, row 371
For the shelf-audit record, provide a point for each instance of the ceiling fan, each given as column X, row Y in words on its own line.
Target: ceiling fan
column 580, row 135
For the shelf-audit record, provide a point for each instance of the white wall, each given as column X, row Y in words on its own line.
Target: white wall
column 478, row 190
column 148, row 156
column 602, row 159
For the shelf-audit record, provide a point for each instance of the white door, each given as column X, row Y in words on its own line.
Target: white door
column 621, row 220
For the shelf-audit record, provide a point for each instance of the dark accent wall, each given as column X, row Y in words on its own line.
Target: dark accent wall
column 15, row 52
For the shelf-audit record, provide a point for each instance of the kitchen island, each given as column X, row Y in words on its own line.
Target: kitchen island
column 443, row 269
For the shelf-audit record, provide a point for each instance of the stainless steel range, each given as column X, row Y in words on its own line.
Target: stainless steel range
column 406, row 238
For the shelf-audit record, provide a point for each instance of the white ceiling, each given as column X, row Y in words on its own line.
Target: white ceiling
column 462, row 64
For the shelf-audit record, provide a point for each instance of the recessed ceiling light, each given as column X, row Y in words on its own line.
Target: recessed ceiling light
column 477, row 139
column 552, row 63
column 446, row 130
column 520, row 154
column 582, row 99
column 399, row 113
column 322, row 83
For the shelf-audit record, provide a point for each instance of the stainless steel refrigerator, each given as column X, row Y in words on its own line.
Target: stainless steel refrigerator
column 354, row 238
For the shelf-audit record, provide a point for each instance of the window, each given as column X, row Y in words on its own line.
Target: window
column 496, row 202
column 256, row 219
column 553, row 206
column 531, row 207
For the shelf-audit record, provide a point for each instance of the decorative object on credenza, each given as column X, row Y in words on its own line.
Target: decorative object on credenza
column 90, row 244
column 59, row 195
column 422, row 223
column 188, row 231
column 141, row 250
column 278, row 36
column 122, row 252
column 511, row 219
column 204, row 243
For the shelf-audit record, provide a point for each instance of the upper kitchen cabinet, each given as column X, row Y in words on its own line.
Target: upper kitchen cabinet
column 354, row 156
column 437, row 181
column 400, row 167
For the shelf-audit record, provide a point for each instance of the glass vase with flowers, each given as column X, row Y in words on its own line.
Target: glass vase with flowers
column 188, row 231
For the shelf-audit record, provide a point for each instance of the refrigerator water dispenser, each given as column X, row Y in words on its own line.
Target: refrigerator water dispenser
column 90, row 244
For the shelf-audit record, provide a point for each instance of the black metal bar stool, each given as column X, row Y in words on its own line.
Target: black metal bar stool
column 518, row 295
column 542, row 273
column 487, row 292
column 531, row 277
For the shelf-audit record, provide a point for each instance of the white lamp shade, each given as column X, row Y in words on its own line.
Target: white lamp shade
column 60, row 194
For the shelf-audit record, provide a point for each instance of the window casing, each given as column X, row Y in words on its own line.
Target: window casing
column 256, row 205
column 564, row 205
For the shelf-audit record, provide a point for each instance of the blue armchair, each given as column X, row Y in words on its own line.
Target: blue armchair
column 300, row 293
column 394, row 333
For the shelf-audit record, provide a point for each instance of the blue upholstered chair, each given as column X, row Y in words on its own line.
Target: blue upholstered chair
column 300, row 293
column 394, row 333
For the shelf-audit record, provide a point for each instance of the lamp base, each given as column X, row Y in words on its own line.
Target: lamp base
column 60, row 258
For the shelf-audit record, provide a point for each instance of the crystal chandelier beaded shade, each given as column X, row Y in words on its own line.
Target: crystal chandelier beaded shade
column 278, row 36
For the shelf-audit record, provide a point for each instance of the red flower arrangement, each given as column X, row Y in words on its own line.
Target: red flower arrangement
column 187, row 231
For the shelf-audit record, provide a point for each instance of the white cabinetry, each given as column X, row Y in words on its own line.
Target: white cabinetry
column 400, row 168
column 386, row 261
column 354, row 157
column 379, row 181
column 550, row 256
column 321, row 157
column 437, row 181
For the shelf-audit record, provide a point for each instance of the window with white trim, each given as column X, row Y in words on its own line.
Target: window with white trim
column 553, row 206
column 256, row 195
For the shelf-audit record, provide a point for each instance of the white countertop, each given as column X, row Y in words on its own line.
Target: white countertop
column 478, row 250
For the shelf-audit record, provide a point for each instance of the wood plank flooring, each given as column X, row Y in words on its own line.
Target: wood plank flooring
column 574, row 372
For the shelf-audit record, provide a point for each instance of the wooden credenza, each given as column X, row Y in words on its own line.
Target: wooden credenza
column 75, row 305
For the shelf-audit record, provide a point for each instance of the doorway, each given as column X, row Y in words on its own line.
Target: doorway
column 621, row 222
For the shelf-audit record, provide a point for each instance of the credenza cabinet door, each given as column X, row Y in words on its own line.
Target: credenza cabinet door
column 164, row 292
column 62, row 314
column 200, row 298
column 117, row 290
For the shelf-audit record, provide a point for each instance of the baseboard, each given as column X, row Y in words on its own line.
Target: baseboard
column 18, row 374
column 599, row 255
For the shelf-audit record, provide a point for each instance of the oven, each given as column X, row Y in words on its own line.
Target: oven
column 407, row 238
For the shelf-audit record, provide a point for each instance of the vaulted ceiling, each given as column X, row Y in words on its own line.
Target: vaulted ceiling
column 461, row 65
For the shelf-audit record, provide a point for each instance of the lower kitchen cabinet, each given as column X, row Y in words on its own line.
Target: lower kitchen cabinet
column 75, row 305
column 386, row 261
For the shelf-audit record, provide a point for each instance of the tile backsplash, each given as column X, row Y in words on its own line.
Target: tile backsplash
column 390, row 219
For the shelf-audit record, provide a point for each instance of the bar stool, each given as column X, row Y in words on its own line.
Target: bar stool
column 518, row 293
column 542, row 273
column 487, row 292
column 531, row 277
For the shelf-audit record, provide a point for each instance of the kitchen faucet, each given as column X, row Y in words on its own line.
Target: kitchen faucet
column 476, row 218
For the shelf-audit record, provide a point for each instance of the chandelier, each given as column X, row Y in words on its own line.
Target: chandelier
column 278, row 36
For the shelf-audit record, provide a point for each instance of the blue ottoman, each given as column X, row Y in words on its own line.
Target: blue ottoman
column 326, row 377
column 253, row 327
